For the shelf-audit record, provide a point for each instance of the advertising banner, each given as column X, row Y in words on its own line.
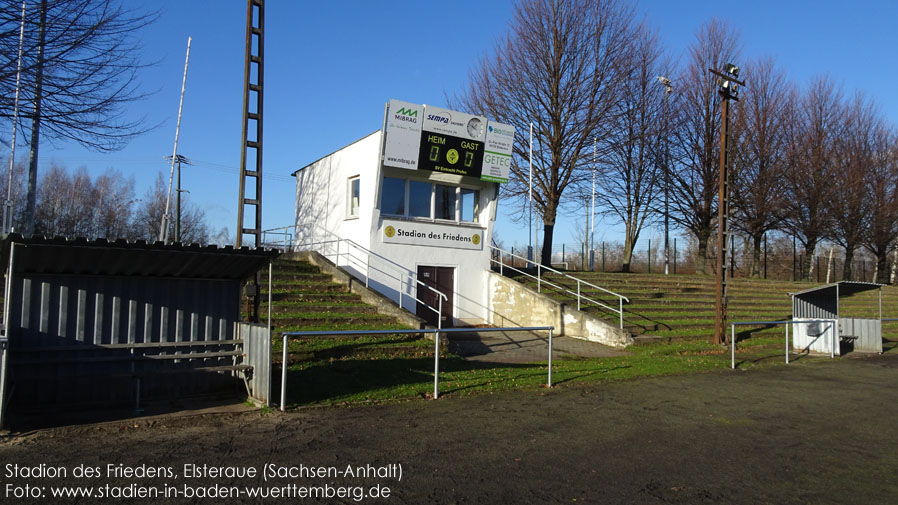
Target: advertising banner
column 497, row 155
column 403, row 137
column 452, row 142
column 431, row 234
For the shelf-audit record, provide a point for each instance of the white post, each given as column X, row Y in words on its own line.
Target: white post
column 530, row 196
column 787, row 343
column 163, row 233
column 550, row 358
column 436, row 366
column 284, row 375
column 7, row 211
column 620, row 308
column 733, row 346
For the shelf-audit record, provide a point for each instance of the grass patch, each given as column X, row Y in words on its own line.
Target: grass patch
column 407, row 373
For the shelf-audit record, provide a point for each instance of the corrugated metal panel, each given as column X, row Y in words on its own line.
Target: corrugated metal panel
column 257, row 349
column 818, row 304
column 865, row 334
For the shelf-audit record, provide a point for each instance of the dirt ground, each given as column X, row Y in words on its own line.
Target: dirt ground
column 817, row 431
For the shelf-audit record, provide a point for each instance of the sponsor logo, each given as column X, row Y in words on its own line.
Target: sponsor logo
column 501, row 131
column 438, row 118
column 409, row 115
column 475, row 239
column 390, row 232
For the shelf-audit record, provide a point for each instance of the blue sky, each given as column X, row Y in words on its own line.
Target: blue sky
column 331, row 66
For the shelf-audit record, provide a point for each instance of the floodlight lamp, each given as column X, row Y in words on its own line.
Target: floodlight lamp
column 732, row 69
column 664, row 80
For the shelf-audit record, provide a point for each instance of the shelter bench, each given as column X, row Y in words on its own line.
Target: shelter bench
column 191, row 357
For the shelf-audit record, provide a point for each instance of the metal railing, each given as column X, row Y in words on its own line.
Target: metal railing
column 540, row 280
column 777, row 323
column 360, row 259
column 436, row 354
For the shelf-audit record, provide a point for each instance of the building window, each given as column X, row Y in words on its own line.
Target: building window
column 353, row 196
column 419, row 198
column 392, row 199
column 469, row 207
column 444, row 202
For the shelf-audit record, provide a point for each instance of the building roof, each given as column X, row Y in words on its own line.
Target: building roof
column 101, row 257
column 335, row 152
column 846, row 288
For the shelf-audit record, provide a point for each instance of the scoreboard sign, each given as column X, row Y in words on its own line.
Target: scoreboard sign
column 451, row 142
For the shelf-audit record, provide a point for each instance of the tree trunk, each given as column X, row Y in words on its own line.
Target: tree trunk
column 882, row 268
column 756, row 255
column 31, row 196
column 628, row 256
column 548, row 230
column 810, row 248
column 846, row 268
column 701, row 262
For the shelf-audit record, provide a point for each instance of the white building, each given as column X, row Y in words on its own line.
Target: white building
column 430, row 222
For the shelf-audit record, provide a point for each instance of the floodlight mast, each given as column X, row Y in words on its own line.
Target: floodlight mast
column 668, row 88
column 728, row 87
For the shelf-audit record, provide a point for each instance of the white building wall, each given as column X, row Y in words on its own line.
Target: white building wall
column 321, row 218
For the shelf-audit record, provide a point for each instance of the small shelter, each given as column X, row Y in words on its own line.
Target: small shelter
column 97, row 322
column 819, row 327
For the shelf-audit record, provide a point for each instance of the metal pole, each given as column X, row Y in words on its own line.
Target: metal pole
column 733, row 346
column 530, row 196
column 787, row 344
column 592, row 228
column 550, row 358
column 284, row 375
column 721, row 313
column 178, row 206
column 163, row 233
column 7, row 209
column 436, row 366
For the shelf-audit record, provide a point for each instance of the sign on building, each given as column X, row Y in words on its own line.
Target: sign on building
column 442, row 140
column 429, row 234
column 404, row 122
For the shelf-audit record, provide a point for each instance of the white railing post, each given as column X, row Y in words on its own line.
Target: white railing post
column 787, row 343
column 436, row 366
column 733, row 346
column 549, row 384
column 284, row 375
column 578, row 294
column 400, row 290
column 620, row 308
column 538, row 278
column 367, row 268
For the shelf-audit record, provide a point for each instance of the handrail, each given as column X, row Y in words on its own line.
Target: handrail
column 436, row 356
column 352, row 259
column 540, row 280
column 776, row 323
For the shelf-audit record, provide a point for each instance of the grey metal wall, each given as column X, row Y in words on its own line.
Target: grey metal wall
column 55, row 317
column 867, row 333
column 257, row 348
column 822, row 304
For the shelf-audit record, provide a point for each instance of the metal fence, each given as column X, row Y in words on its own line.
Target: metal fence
column 436, row 355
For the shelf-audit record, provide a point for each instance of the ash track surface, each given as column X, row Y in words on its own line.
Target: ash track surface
column 817, row 431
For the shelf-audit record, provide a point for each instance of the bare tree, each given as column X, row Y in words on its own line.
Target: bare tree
column 75, row 205
column 814, row 123
column 855, row 156
column 559, row 67
column 757, row 197
column 148, row 217
column 882, row 189
column 79, row 72
column 697, row 139
column 628, row 175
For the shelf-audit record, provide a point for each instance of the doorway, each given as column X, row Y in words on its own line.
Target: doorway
column 443, row 280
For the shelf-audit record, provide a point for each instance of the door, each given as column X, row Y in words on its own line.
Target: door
column 443, row 280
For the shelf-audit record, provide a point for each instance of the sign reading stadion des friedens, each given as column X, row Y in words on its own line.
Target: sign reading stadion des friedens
column 431, row 234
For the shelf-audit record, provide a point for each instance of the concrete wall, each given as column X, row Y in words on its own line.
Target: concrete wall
column 513, row 304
